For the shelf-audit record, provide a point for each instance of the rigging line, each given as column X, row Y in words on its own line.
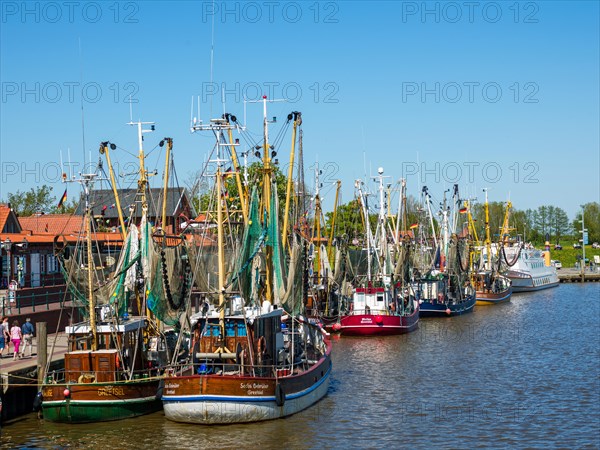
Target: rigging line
column 126, row 151
column 250, row 142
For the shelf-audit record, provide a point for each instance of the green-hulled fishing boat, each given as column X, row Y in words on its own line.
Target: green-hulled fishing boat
column 113, row 364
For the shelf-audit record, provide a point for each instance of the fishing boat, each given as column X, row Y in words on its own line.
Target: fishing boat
column 491, row 287
column 254, row 356
column 445, row 289
column 114, row 358
column 380, row 306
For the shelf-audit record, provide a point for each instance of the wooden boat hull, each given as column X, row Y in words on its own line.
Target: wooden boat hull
column 217, row 399
column 99, row 402
column 435, row 309
column 378, row 325
column 491, row 298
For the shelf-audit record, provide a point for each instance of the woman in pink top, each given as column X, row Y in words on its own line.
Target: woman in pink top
column 15, row 337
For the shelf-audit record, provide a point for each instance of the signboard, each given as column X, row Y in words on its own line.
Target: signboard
column 585, row 238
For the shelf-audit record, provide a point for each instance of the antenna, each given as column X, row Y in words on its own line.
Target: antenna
column 130, row 109
column 70, row 166
column 81, row 101
column 192, row 114
column 223, row 99
column 62, row 169
column 212, row 53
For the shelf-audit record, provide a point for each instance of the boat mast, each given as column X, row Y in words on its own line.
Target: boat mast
column 505, row 228
column 382, row 219
column 317, row 225
column 267, row 169
column 365, row 210
column 335, row 208
column 297, row 116
column 445, row 234
column 242, row 190
column 104, row 150
column 142, row 185
column 166, row 183
column 428, row 204
column 488, row 242
column 221, row 258
column 87, row 180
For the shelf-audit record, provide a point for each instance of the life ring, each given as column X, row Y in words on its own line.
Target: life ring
column 86, row 378
column 279, row 395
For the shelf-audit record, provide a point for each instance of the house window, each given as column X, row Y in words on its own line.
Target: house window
column 42, row 264
column 51, row 264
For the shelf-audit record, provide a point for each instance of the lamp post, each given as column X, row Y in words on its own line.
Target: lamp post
column 583, row 230
column 7, row 244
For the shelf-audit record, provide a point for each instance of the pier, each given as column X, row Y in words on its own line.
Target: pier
column 575, row 276
column 19, row 379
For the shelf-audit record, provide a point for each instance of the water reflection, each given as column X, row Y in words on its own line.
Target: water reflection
column 524, row 374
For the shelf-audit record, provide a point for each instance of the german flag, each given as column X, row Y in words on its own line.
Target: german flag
column 414, row 225
column 462, row 210
column 63, row 199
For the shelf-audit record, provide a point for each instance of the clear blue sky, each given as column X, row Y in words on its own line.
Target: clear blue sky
column 488, row 95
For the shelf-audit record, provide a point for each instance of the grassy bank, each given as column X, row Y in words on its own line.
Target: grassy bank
column 568, row 255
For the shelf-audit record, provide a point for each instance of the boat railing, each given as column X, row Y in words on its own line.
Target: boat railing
column 233, row 368
column 59, row 376
column 370, row 312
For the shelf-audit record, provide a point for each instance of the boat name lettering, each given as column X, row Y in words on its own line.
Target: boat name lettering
column 110, row 390
column 47, row 392
column 171, row 386
column 366, row 320
column 253, row 386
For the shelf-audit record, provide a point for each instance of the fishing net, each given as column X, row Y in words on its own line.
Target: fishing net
column 169, row 279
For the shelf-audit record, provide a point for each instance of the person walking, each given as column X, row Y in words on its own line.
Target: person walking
column 16, row 335
column 2, row 340
column 28, row 331
column 5, row 330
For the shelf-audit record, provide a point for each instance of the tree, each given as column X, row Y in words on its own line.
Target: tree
column 204, row 201
column 348, row 220
column 33, row 201
column 560, row 225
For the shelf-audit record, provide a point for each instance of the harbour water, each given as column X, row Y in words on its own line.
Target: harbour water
column 521, row 374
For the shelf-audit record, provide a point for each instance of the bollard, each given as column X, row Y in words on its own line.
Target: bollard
column 42, row 352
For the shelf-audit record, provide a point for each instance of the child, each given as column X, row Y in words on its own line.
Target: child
column 15, row 336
